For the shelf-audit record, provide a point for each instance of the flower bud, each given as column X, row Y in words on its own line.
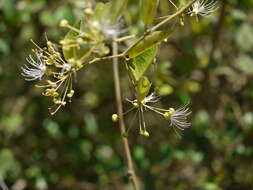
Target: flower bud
column 146, row 134
column 115, row 118
column 88, row 11
column 70, row 94
column 49, row 44
column 79, row 41
column 64, row 23
column 135, row 104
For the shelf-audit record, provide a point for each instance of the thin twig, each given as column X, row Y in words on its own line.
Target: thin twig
column 105, row 58
column 3, row 186
column 154, row 28
column 179, row 12
column 131, row 172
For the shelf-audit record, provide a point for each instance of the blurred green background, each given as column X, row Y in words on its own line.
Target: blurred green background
column 209, row 63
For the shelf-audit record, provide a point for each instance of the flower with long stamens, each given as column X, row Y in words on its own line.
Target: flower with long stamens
column 178, row 118
column 36, row 68
column 203, row 7
column 58, row 73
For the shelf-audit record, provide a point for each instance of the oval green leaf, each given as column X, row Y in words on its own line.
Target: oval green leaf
column 147, row 42
column 140, row 63
column 148, row 11
column 74, row 52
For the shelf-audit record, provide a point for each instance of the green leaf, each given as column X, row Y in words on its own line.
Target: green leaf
column 244, row 37
column 140, row 64
column 143, row 88
column 9, row 10
column 147, row 42
column 74, row 52
column 245, row 64
column 117, row 9
column 102, row 11
column 148, row 11
column 110, row 11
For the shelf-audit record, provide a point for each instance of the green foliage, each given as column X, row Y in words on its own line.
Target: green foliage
column 117, row 9
column 141, row 63
column 148, row 10
column 80, row 147
column 74, row 52
column 147, row 42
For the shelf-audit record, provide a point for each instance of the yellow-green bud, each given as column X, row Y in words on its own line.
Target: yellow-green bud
column 88, row 11
column 168, row 115
column 141, row 132
column 181, row 22
column 135, row 104
column 115, row 118
column 64, row 23
column 146, row 134
column 49, row 44
column 70, row 94
column 79, row 41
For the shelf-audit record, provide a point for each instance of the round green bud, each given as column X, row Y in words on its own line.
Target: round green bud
column 79, row 41
column 49, row 44
column 88, row 11
column 70, row 94
column 64, row 23
column 115, row 117
column 181, row 22
column 146, row 134
column 135, row 104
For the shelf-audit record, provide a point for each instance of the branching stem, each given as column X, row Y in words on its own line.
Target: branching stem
column 131, row 172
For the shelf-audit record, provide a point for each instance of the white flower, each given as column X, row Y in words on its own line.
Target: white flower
column 178, row 117
column 66, row 67
column 36, row 68
column 108, row 29
column 203, row 8
column 152, row 98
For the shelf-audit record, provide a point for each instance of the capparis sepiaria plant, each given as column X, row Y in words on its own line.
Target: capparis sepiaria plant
column 95, row 38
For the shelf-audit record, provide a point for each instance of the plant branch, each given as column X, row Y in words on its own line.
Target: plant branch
column 170, row 17
column 148, row 31
column 131, row 172
column 3, row 185
column 125, row 38
column 105, row 58
column 167, row 19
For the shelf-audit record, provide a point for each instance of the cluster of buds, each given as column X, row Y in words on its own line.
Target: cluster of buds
column 55, row 73
column 56, row 64
column 86, row 40
column 92, row 34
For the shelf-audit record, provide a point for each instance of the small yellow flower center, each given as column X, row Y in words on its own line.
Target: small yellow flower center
column 167, row 115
